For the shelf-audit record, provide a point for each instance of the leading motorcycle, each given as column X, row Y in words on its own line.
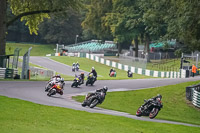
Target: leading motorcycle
column 150, row 108
column 57, row 88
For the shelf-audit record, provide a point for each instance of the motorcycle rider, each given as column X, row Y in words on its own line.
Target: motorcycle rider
column 82, row 77
column 104, row 90
column 77, row 64
column 73, row 66
column 156, row 98
column 94, row 73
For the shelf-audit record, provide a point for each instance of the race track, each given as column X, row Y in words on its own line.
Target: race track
column 34, row 91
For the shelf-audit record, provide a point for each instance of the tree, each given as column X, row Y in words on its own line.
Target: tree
column 94, row 20
column 33, row 12
column 61, row 30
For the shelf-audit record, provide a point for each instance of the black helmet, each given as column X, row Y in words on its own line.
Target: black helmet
column 105, row 88
column 62, row 80
column 159, row 96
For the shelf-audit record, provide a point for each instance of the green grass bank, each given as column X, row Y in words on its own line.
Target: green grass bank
column 175, row 105
column 18, row 116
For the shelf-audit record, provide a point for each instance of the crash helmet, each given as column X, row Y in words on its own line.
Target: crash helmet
column 82, row 73
column 58, row 79
column 58, row 75
column 105, row 88
column 62, row 80
column 159, row 96
column 93, row 68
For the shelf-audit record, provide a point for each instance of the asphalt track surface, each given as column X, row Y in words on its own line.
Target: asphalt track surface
column 54, row 65
column 34, row 91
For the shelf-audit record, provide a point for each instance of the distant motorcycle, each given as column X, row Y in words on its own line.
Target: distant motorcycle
column 92, row 99
column 73, row 68
column 57, row 88
column 76, row 82
column 151, row 109
column 77, row 67
column 90, row 79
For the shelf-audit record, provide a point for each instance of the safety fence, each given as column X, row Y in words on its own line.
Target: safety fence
column 171, row 74
column 8, row 73
column 193, row 94
column 40, row 73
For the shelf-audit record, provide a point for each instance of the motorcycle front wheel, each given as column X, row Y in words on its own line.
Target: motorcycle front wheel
column 94, row 103
column 73, row 84
column 153, row 113
column 87, row 83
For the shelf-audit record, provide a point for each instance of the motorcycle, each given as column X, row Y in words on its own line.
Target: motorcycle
column 92, row 99
column 73, row 68
column 77, row 68
column 90, row 79
column 57, row 88
column 151, row 109
column 50, row 84
column 77, row 82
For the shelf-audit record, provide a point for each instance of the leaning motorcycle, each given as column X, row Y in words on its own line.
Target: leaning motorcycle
column 77, row 68
column 90, row 79
column 77, row 82
column 50, row 84
column 57, row 88
column 151, row 109
column 73, row 68
column 92, row 99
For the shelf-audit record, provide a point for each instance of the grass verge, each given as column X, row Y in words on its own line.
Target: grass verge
column 102, row 70
column 37, row 49
column 20, row 116
column 175, row 105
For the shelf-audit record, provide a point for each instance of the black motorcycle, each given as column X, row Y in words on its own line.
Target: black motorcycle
column 90, row 79
column 150, row 108
column 92, row 99
column 77, row 82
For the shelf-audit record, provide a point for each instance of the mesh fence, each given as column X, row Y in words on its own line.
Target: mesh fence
column 131, row 61
column 38, row 73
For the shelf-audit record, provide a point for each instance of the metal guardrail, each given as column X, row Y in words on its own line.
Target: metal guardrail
column 193, row 94
column 8, row 73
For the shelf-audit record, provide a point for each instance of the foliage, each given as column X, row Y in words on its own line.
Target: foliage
column 94, row 18
column 39, row 10
column 62, row 30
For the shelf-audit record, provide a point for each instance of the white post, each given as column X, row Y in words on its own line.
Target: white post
column 76, row 39
column 56, row 48
column 197, row 59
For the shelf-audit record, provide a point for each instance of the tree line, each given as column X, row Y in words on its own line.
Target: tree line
column 124, row 21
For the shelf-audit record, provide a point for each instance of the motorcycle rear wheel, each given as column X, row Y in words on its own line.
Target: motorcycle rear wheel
column 153, row 113
column 139, row 112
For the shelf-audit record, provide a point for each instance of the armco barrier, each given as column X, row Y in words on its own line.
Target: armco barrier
column 4, row 73
column 181, row 74
column 193, row 94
